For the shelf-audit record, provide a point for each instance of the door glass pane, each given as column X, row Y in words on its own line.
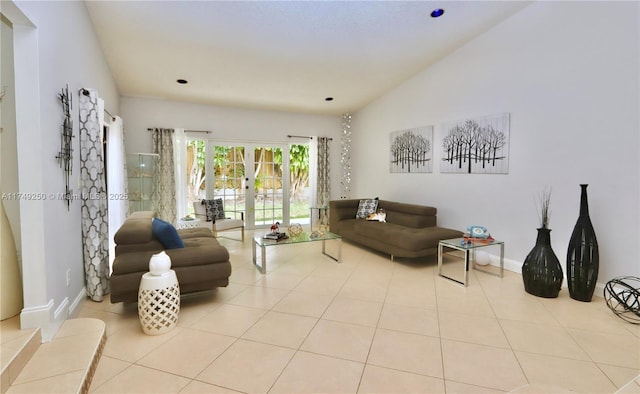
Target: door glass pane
column 229, row 173
column 268, row 198
column 299, row 192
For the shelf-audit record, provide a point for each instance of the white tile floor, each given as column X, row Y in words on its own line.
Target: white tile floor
column 367, row 325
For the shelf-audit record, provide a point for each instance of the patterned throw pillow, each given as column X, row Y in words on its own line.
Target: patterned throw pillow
column 366, row 207
column 214, row 209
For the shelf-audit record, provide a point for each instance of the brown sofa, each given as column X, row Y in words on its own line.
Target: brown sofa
column 409, row 231
column 203, row 263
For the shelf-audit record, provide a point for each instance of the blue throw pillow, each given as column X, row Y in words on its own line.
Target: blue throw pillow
column 166, row 234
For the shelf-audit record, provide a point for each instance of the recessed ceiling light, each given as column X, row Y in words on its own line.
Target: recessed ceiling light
column 438, row 12
column 328, row 99
column 182, row 81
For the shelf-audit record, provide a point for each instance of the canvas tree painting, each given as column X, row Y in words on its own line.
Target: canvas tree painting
column 411, row 150
column 478, row 146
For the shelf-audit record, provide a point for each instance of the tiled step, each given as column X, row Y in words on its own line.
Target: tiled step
column 67, row 363
column 16, row 348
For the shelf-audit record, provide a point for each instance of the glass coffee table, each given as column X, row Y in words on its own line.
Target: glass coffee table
column 259, row 241
column 468, row 248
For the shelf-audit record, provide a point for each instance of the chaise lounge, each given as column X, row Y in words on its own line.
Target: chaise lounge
column 202, row 264
column 408, row 231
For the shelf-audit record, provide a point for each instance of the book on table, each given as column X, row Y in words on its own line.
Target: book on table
column 275, row 236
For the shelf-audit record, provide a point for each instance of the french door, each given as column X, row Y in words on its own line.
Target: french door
column 269, row 186
column 250, row 177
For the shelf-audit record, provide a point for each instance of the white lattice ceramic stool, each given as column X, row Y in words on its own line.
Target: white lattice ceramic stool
column 158, row 302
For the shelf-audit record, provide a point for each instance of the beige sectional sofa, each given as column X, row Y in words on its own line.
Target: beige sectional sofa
column 203, row 264
column 409, row 231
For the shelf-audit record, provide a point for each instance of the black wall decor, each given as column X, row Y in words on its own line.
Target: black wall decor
column 66, row 149
column 411, row 150
column 476, row 146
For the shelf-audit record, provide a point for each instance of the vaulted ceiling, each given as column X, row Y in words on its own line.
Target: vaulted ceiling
column 282, row 55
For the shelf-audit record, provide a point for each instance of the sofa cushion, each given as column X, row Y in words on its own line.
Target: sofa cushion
column 166, row 234
column 201, row 252
column 196, row 232
column 407, row 238
column 214, row 209
column 366, row 207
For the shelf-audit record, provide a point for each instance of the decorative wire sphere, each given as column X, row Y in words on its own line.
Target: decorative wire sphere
column 623, row 298
column 295, row 229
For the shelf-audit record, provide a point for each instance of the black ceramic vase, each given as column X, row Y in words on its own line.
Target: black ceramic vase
column 541, row 271
column 582, row 255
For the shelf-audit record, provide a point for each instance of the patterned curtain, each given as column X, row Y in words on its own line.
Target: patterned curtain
column 324, row 181
column 165, row 193
column 95, row 226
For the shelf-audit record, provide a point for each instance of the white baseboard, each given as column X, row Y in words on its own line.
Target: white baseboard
column 38, row 317
column 73, row 308
column 49, row 320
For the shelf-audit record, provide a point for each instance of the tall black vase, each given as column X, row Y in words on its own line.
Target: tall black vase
column 541, row 270
column 583, row 259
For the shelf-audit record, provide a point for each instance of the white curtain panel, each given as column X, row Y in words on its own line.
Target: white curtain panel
column 165, row 193
column 95, row 228
column 180, row 160
column 117, row 203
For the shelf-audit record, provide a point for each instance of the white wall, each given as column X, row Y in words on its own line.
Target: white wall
column 227, row 124
column 67, row 53
column 9, row 159
column 567, row 72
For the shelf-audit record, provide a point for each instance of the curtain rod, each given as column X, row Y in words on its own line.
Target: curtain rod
column 85, row 92
column 109, row 113
column 188, row 131
column 304, row 136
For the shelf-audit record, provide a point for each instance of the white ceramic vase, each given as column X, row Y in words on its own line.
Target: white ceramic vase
column 159, row 264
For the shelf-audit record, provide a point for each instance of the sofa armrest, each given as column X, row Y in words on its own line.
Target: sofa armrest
column 343, row 209
column 340, row 210
column 134, row 231
column 204, row 217
column 236, row 214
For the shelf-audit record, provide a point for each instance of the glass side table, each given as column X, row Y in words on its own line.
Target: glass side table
column 191, row 223
column 468, row 249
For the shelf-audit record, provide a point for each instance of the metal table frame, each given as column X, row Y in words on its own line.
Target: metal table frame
column 458, row 244
column 258, row 240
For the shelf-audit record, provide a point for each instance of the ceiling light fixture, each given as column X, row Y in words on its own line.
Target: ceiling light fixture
column 328, row 99
column 182, row 81
column 438, row 12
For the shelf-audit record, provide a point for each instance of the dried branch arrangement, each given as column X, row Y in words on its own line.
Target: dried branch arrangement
column 543, row 205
